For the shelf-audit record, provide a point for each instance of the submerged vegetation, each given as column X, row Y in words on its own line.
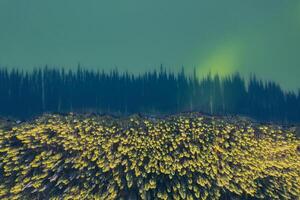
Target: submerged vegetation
column 186, row 156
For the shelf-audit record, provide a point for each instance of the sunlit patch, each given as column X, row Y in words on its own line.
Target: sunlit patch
column 225, row 60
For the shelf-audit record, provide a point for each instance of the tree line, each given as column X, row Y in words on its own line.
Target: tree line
column 27, row 94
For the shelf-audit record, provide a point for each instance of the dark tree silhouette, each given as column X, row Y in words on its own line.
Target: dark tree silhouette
column 26, row 94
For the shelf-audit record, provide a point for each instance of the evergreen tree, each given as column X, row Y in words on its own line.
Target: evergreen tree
column 27, row 94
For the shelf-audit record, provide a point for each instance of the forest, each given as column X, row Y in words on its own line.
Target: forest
column 182, row 156
column 27, row 94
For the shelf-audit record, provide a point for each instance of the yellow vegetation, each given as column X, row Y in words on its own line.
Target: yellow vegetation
column 178, row 157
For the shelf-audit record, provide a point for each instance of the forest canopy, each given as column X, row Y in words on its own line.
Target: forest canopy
column 27, row 94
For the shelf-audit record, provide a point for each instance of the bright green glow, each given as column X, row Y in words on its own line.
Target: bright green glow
column 257, row 36
column 225, row 60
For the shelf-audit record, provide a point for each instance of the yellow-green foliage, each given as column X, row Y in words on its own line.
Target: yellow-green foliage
column 178, row 157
